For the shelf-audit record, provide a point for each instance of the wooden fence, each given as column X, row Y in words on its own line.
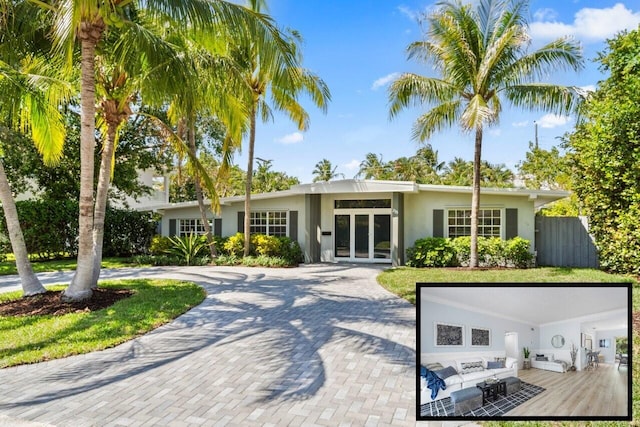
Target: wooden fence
column 564, row 242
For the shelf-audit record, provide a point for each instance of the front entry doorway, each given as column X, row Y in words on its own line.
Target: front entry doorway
column 362, row 235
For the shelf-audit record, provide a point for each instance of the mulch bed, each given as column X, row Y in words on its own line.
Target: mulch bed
column 50, row 303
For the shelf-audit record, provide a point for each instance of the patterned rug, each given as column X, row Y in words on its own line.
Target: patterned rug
column 502, row 405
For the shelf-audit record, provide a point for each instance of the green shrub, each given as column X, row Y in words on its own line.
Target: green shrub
column 224, row 259
column 516, row 253
column 234, row 245
column 189, row 249
column 492, row 252
column 50, row 229
column 265, row 245
column 159, row 245
column 290, row 251
column 431, row 252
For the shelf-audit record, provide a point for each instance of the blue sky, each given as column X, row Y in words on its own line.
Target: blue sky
column 358, row 46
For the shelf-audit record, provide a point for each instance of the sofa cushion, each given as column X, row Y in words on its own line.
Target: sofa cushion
column 446, row 372
column 510, row 362
column 473, row 377
column 502, row 360
column 469, row 367
column 495, row 365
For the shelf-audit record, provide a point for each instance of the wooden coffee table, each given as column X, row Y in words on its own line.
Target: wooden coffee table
column 492, row 390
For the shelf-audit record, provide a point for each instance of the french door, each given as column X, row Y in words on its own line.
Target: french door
column 362, row 235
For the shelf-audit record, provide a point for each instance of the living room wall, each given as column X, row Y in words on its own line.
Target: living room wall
column 431, row 312
column 570, row 331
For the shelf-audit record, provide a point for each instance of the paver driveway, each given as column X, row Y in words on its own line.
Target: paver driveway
column 315, row 345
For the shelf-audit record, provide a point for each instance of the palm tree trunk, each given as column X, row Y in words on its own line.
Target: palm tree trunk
column 30, row 283
column 102, row 193
column 81, row 284
column 199, row 196
column 475, row 200
column 247, row 197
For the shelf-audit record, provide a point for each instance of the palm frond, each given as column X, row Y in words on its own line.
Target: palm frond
column 438, row 118
column 546, row 97
column 414, row 90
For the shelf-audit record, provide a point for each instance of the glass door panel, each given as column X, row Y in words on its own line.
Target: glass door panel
column 382, row 236
column 362, row 236
column 343, row 236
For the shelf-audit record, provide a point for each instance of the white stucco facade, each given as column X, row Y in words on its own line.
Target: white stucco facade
column 367, row 221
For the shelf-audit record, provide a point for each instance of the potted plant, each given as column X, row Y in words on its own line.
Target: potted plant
column 526, row 353
column 573, row 351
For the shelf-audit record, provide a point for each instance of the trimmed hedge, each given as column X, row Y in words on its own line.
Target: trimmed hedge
column 492, row 252
column 50, row 229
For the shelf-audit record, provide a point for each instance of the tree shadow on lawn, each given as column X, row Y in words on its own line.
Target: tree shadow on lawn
column 278, row 330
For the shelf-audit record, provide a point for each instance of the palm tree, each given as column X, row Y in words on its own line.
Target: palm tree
column 284, row 79
column 31, row 94
column 324, row 171
column 482, row 55
column 86, row 21
column 372, row 167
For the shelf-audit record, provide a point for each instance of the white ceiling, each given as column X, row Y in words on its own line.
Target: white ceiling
column 602, row 307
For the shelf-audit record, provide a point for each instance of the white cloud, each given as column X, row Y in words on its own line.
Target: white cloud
column 589, row 24
column 545, row 14
column 588, row 88
column 520, row 124
column 495, row 132
column 383, row 81
column 406, row 11
column 292, row 138
column 352, row 165
column 552, row 120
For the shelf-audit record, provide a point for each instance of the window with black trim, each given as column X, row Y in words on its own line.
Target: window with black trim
column 191, row 226
column 489, row 222
column 270, row 223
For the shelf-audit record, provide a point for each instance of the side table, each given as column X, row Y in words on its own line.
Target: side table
column 526, row 364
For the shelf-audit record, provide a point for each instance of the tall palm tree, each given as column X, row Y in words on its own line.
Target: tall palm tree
column 284, row 80
column 31, row 95
column 481, row 53
column 324, row 171
column 86, row 21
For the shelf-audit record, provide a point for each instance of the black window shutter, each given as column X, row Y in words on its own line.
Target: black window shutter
column 438, row 223
column 217, row 227
column 240, row 222
column 293, row 225
column 511, row 223
column 172, row 227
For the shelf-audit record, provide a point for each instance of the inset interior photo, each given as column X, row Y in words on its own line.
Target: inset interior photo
column 555, row 351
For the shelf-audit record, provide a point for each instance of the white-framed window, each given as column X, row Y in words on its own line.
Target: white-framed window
column 489, row 222
column 191, row 226
column 270, row 223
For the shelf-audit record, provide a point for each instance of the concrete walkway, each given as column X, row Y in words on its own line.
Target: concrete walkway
column 315, row 345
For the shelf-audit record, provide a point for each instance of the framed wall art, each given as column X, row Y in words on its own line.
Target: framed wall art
column 480, row 337
column 448, row 335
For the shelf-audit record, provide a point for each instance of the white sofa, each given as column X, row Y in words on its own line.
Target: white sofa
column 549, row 365
column 460, row 381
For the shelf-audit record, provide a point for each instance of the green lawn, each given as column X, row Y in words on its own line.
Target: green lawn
column 31, row 339
column 402, row 280
column 9, row 266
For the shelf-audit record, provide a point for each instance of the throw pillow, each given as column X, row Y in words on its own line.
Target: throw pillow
column 502, row 360
column 434, row 366
column 446, row 372
column 423, row 371
column 469, row 367
column 539, row 355
column 540, row 358
column 495, row 365
column 546, row 359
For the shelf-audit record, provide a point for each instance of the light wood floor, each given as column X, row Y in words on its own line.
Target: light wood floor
column 600, row 392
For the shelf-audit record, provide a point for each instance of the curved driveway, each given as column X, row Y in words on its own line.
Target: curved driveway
column 315, row 345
